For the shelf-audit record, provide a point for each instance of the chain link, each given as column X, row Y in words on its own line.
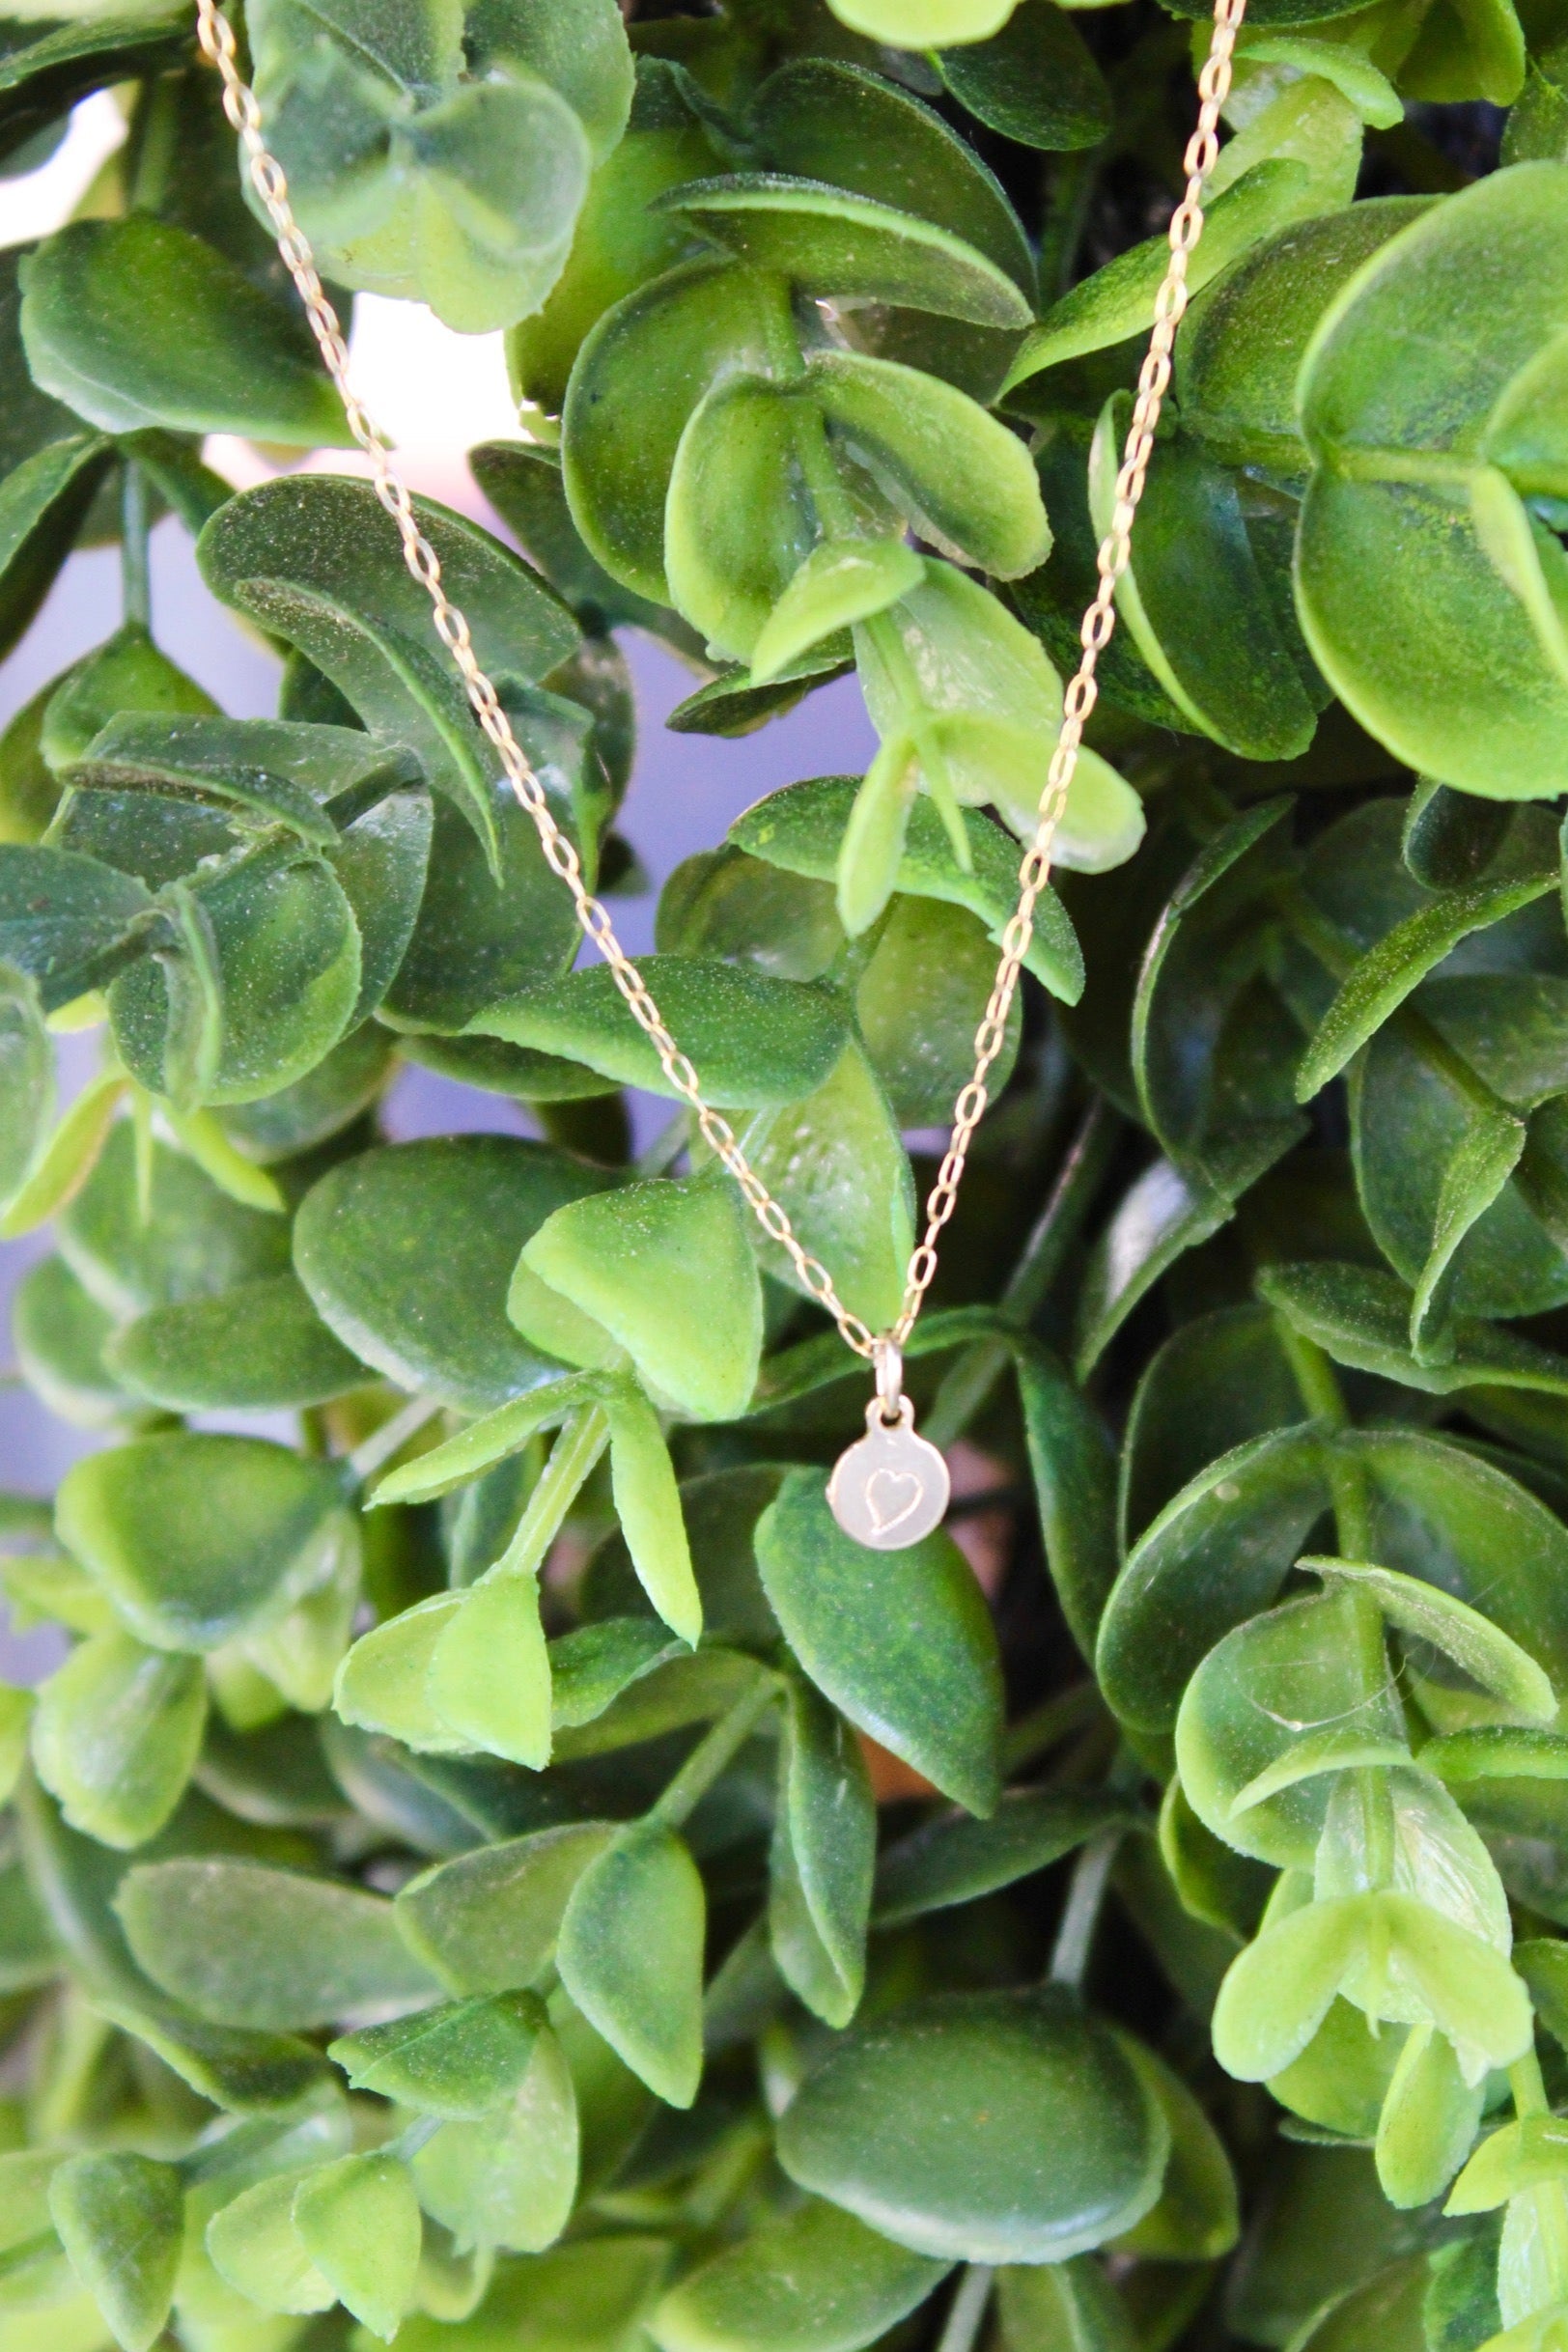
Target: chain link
column 217, row 41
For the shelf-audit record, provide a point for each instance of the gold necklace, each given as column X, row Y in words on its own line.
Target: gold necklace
column 891, row 1487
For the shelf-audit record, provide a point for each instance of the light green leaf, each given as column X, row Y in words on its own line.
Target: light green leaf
column 359, row 2222
column 1462, row 1633
column 486, row 1923
column 820, row 1871
column 648, row 1505
column 456, row 2062
column 841, row 581
column 117, row 1734
column 488, row 1677
column 120, row 2219
column 510, row 2179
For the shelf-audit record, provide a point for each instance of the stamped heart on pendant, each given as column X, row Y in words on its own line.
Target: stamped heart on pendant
column 891, row 1498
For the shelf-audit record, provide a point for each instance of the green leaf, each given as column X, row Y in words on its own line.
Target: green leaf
column 592, row 1667
column 820, row 1871
column 1241, row 344
column 1462, row 1633
column 62, row 917
column 257, row 2250
column 456, row 2062
column 26, row 1078
column 1218, row 1551
column 117, row 1734
column 510, row 2179
column 120, row 2219
column 1197, row 2218
column 359, row 2221
column 406, row 1252
column 259, row 1346
column 475, row 938
column 1062, row 2307
column 1070, row 1463
column 921, row 998
column 837, row 1165
column 43, row 503
column 1359, row 1315
column 668, row 1270
column 1033, row 80
column 59, row 1334
column 383, row 1682
column 1197, row 599
column 241, row 2071
column 1388, row 974
column 316, row 562
column 486, row 1923
column 818, row 118
column 248, row 1946
column 901, row 1643
column 134, row 323
column 1428, row 2121
column 453, row 174
column 987, row 705
column 1117, row 302
column 741, row 517
column 1051, row 2143
column 1414, row 489
column 1519, row 2156
column 926, row 24
column 1279, row 1704
column 639, row 378
column 584, row 2296
column 826, row 241
column 841, row 581
column 818, row 2280
column 198, row 1538
column 802, row 830
column 631, row 1953
column 954, row 1859
column 754, row 1041
column 965, row 481
column 648, row 1504
column 488, row 1679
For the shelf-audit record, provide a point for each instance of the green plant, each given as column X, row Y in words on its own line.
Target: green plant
column 442, row 1890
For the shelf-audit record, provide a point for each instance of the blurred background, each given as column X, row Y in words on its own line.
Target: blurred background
column 436, row 393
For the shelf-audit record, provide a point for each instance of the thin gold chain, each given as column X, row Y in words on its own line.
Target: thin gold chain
column 217, row 41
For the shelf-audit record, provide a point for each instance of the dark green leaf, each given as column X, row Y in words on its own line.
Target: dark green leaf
column 1034, row 81
column 901, row 1643
column 754, row 1041
column 133, row 322
column 824, row 1842
column 954, row 1859
column 257, row 1347
column 62, row 917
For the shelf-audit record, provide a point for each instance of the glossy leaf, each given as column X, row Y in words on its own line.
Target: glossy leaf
column 1051, row 2141
column 904, row 1649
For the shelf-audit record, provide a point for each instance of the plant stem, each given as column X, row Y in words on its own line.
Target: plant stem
column 969, row 1382
column 135, row 581
column 713, row 1755
column 1084, row 1895
column 968, row 2309
column 575, row 1451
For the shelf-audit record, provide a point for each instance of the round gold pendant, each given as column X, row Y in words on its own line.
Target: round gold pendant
column 891, row 1487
